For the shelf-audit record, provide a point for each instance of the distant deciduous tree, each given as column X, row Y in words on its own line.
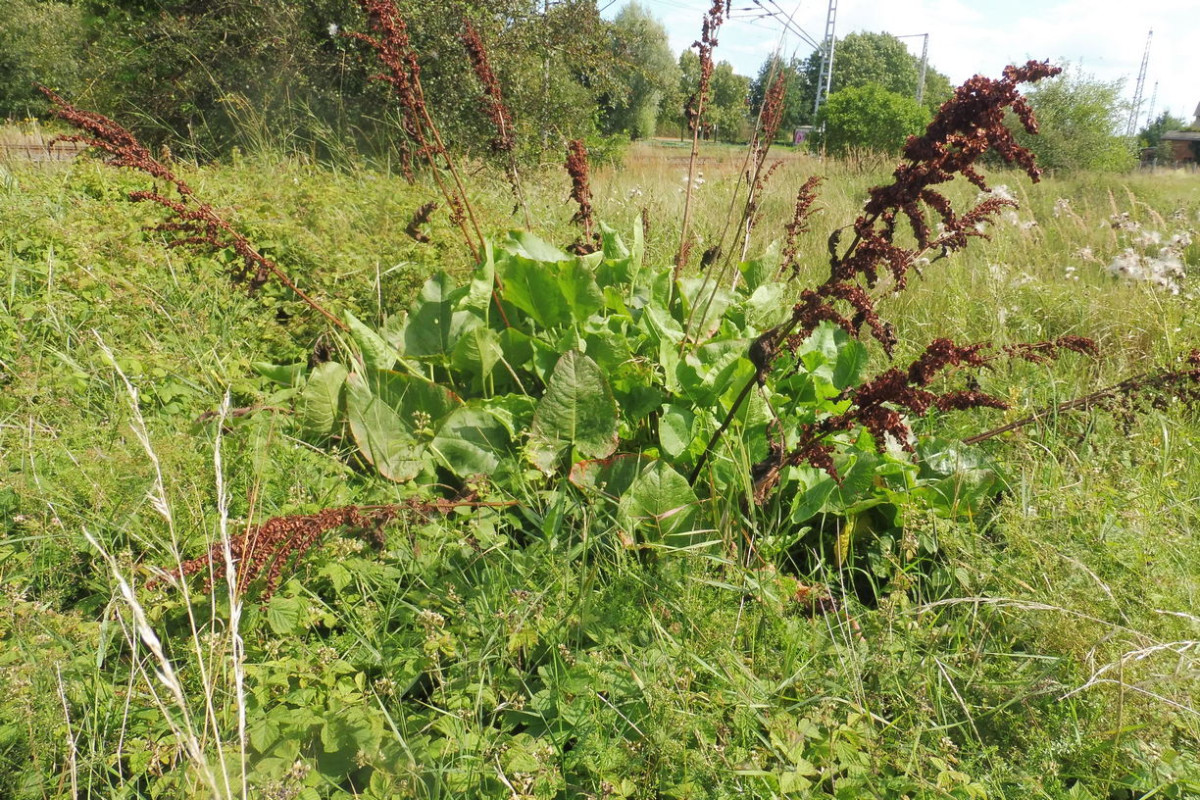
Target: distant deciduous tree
column 725, row 113
column 645, row 72
column 870, row 118
column 859, row 59
column 798, row 91
column 39, row 43
column 1078, row 119
column 728, row 110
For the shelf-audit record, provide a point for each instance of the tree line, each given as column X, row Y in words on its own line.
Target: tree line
column 209, row 75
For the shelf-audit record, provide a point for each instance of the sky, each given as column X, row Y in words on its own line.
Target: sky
column 1104, row 39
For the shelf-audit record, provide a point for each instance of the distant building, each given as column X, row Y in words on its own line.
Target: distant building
column 801, row 134
column 1185, row 146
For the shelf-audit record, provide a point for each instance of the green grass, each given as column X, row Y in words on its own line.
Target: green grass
column 524, row 652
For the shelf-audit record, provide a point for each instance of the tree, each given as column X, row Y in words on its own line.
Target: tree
column 40, row 43
column 672, row 109
column 1150, row 137
column 870, row 118
column 246, row 72
column 798, row 94
column 726, row 110
column 645, row 70
column 881, row 59
column 1078, row 119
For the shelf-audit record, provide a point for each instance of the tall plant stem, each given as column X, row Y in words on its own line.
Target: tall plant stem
column 685, row 225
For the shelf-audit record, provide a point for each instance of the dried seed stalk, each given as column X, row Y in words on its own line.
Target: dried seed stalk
column 581, row 194
column 966, row 127
column 393, row 47
column 264, row 551
column 191, row 222
column 694, row 111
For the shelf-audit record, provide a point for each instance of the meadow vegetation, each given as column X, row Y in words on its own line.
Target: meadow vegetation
column 598, row 509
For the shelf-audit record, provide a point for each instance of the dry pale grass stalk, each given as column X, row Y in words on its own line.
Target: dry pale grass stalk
column 184, row 727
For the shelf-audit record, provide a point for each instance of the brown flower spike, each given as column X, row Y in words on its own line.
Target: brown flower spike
column 192, row 222
column 967, row 126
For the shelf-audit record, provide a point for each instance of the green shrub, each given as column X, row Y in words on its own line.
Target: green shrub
column 1078, row 119
column 870, row 118
column 39, row 43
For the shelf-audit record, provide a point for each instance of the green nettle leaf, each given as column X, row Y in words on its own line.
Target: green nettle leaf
column 376, row 352
column 317, row 409
column 662, row 505
column 471, row 441
column 433, row 326
column 577, row 410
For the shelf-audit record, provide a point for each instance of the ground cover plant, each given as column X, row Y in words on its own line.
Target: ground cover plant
column 583, row 522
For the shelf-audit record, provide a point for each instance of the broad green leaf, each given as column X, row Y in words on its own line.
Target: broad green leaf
column 610, row 241
column 533, row 248
column 433, row 326
column 957, row 477
column 283, row 374
column 662, row 505
column 471, row 441
column 554, row 294
column 766, row 307
column 609, row 477
column 577, row 411
column 675, row 430
column 850, row 363
column 391, row 416
column 376, row 352
column 477, row 352
column 383, row 436
column 483, row 283
column 513, row 411
column 319, row 405
column 704, row 305
column 412, row 397
column 713, row 370
column 660, row 325
column 760, row 271
column 812, row 488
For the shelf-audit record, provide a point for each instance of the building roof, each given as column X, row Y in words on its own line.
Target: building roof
column 1182, row 136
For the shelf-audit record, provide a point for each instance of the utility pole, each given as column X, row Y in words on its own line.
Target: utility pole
column 1135, row 111
column 924, row 63
column 826, row 78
